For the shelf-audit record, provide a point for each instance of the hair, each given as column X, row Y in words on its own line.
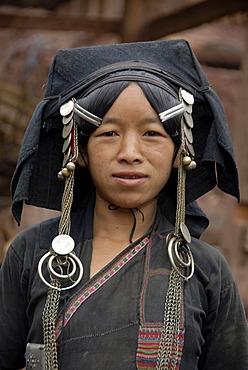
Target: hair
column 101, row 99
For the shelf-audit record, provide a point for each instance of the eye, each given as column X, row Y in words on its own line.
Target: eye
column 109, row 133
column 152, row 133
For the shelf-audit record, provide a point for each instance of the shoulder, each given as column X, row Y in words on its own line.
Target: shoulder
column 204, row 252
column 35, row 237
column 211, row 265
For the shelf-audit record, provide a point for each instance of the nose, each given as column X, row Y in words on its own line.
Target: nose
column 130, row 150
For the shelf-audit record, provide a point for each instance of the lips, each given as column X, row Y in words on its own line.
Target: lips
column 130, row 178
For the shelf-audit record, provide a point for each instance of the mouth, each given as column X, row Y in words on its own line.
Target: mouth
column 130, row 175
column 130, row 179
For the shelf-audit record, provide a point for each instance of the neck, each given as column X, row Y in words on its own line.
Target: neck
column 116, row 224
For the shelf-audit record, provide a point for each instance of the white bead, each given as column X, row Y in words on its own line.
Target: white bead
column 71, row 166
column 186, row 160
column 191, row 166
column 61, row 177
column 66, row 172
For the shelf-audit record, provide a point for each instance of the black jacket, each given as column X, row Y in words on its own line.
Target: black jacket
column 104, row 331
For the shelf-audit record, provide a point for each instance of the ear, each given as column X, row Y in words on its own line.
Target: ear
column 83, row 159
column 176, row 159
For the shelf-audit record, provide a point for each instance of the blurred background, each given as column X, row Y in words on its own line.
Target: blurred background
column 31, row 32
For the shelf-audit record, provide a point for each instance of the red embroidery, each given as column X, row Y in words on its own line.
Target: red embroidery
column 148, row 346
column 96, row 284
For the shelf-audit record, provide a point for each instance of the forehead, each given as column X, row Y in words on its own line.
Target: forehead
column 132, row 102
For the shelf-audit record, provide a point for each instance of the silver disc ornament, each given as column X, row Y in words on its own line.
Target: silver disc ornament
column 63, row 244
column 187, row 97
column 185, row 232
column 66, row 108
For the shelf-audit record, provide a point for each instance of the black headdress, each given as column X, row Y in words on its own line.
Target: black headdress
column 74, row 71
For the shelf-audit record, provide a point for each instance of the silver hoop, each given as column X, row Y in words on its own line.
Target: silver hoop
column 54, row 274
column 176, row 260
column 51, row 257
column 181, row 262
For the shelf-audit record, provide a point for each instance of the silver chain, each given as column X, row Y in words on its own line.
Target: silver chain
column 169, row 341
column 49, row 319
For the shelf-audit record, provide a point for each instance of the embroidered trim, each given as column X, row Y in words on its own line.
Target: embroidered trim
column 148, row 272
column 96, row 284
column 148, row 346
column 143, row 320
column 152, row 333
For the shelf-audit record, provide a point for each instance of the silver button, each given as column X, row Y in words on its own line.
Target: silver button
column 63, row 244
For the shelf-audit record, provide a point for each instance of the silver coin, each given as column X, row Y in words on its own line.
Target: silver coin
column 188, row 134
column 67, row 129
column 63, row 244
column 187, row 97
column 66, row 143
column 189, row 108
column 188, row 119
column 66, row 119
column 185, row 232
column 66, row 108
column 190, row 147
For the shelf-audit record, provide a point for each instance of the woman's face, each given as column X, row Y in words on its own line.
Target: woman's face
column 130, row 155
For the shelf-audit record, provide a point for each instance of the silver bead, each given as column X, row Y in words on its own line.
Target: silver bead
column 66, row 172
column 71, row 166
column 191, row 166
column 61, row 177
column 186, row 160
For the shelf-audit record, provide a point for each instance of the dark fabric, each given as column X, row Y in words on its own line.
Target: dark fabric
column 73, row 71
column 103, row 333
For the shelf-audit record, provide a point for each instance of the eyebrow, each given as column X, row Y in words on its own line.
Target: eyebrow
column 143, row 121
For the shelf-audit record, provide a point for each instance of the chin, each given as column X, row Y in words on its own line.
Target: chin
column 135, row 204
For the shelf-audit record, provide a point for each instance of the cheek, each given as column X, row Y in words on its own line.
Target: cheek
column 98, row 167
column 163, row 164
column 162, row 158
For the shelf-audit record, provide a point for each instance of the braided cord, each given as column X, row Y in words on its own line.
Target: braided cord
column 65, row 222
column 180, row 211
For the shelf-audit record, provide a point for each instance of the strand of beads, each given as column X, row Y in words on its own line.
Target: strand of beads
column 188, row 163
column 66, row 171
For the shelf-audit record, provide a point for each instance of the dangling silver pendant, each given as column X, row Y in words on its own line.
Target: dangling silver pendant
column 62, row 263
column 185, row 232
column 35, row 356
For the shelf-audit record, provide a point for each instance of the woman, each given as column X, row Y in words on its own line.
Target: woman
column 122, row 282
